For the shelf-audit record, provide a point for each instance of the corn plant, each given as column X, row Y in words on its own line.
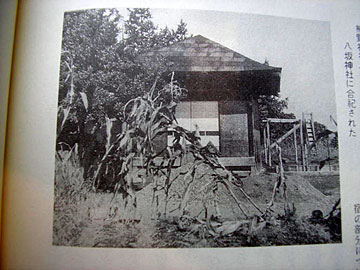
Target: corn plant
column 146, row 118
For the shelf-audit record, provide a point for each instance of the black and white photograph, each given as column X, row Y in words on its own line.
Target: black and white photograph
column 195, row 129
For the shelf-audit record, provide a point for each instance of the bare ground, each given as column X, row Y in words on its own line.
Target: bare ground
column 107, row 224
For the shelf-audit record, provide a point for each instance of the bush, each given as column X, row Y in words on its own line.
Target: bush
column 292, row 231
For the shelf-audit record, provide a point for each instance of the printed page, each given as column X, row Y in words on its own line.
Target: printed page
column 220, row 136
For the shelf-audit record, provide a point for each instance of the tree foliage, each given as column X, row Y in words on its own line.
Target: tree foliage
column 142, row 34
column 274, row 107
column 99, row 72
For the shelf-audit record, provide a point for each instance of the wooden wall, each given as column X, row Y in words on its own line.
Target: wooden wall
column 238, row 111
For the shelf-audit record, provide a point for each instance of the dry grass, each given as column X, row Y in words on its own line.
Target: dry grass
column 70, row 206
column 85, row 218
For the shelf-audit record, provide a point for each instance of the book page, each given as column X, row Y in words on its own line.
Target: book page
column 274, row 205
column 7, row 30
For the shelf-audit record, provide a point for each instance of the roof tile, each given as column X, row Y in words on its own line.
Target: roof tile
column 201, row 54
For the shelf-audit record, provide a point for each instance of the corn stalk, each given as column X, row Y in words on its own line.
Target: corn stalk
column 144, row 119
column 280, row 183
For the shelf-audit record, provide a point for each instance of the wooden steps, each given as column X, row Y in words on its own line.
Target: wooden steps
column 309, row 128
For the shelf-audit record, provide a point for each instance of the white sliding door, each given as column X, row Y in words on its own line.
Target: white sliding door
column 204, row 114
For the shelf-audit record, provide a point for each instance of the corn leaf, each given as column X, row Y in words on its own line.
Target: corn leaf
column 84, row 100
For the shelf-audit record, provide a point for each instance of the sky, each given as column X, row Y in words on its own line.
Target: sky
column 302, row 48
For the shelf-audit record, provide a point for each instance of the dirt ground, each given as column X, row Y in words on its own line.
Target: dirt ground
column 109, row 225
column 308, row 191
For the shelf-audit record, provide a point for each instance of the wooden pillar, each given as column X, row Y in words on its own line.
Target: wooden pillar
column 302, row 144
column 268, row 141
column 265, row 146
column 306, row 158
column 313, row 126
column 295, row 145
column 328, row 148
column 281, row 164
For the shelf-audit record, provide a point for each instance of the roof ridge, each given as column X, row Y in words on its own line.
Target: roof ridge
column 239, row 55
column 199, row 53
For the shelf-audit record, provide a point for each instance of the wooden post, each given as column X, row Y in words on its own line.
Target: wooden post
column 295, row 145
column 283, row 137
column 265, row 146
column 281, row 165
column 268, row 141
column 313, row 126
column 306, row 158
column 328, row 147
column 302, row 144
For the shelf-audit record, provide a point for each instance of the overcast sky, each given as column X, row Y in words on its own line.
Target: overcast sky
column 302, row 48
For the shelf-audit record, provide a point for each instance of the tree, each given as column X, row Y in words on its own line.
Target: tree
column 181, row 32
column 140, row 30
column 99, row 73
column 273, row 107
column 142, row 34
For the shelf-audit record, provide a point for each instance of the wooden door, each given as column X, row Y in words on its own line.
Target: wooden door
column 234, row 132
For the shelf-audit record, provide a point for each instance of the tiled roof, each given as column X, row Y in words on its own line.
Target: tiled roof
column 201, row 54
